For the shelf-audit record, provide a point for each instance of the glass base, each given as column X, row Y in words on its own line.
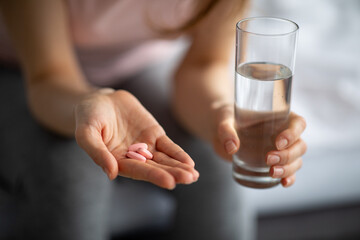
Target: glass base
column 253, row 177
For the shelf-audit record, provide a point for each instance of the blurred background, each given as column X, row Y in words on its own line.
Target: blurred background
column 324, row 203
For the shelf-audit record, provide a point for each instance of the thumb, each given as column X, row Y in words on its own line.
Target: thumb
column 226, row 140
column 91, row 141
column 228, row 137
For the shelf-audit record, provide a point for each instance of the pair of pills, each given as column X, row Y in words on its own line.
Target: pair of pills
column 139, row 151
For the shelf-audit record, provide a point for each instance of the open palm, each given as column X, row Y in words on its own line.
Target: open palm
column 108, row 123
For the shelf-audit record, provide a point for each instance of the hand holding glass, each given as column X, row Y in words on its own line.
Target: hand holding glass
column 265, row 59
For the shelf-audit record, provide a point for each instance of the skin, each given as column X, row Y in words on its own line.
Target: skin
column 105, row 122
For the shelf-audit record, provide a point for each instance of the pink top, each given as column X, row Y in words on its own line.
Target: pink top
column 116, row 38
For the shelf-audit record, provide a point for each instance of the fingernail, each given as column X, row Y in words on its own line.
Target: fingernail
column 172, row 188
column 278, row 171
column 230, row 147
column 284, row 182
column 282, row 143
column 273, row 159
column 107, row 172
column 196, row 175
column 189, row 178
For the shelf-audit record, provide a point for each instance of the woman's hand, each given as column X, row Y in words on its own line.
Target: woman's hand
column 108, row 122
column 284, row 161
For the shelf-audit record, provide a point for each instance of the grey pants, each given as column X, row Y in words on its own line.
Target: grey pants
column 50, row 189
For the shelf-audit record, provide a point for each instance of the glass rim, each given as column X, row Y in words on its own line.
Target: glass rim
column 267, row 34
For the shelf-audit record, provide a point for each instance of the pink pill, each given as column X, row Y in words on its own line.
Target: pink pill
column 145, row 153
column 136, row 146
column 134, row 155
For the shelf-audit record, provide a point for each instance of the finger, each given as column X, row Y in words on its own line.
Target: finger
column 288, row 155
column 289, row 136
column 228, row 136
column 166, row 145
column 135, row 169
column 180, row 175
column 288, row 181
column 226, row 141
column 91, row 141
column 163, row 159
column 286, row 170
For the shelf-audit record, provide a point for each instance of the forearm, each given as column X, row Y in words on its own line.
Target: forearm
column 54, row 82
column 201, row 91
column 52, row 101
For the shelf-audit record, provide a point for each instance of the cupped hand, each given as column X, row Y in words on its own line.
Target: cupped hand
column 108, row 122
column 283, row 162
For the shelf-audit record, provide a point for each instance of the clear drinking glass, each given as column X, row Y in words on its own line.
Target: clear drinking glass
column 264, row 65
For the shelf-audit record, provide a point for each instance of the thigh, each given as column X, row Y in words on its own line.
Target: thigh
column 61, row 193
